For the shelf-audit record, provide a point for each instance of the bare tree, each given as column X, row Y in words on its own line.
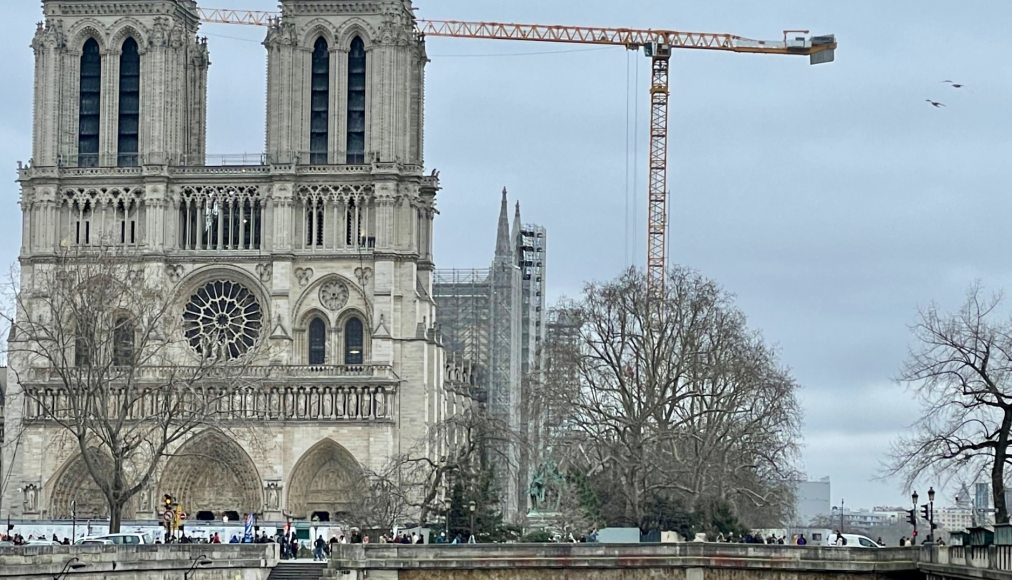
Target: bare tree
column 95, row 350
column 415, row 483
column 680, row 407
column 961, row 371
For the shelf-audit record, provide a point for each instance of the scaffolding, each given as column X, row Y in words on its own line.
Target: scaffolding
column 464, row 310
column 475, row 309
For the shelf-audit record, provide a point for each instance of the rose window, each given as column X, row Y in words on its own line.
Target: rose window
column 222, row 320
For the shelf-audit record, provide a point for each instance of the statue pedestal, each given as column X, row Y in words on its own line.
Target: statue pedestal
column 548, row 521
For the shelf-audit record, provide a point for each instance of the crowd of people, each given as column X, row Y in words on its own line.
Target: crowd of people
column 19, row 540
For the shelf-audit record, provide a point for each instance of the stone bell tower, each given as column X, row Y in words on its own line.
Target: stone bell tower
column 345, row 83
column 102, row 67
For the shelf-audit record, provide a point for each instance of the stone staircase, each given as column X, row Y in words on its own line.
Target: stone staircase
column 289, row 570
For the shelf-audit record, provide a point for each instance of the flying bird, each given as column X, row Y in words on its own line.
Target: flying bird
column 935, row 104
column 954, row 85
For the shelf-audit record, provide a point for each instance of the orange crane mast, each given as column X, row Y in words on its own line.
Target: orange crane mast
column 657, row 45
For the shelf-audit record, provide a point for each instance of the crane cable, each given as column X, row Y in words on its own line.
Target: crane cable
column 628, row 80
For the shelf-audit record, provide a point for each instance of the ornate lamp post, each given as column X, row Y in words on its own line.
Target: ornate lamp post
column 472, row 506
column 914, row 496
column 931, row 514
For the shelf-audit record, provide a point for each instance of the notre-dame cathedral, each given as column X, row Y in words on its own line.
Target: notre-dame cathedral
column 321, row 254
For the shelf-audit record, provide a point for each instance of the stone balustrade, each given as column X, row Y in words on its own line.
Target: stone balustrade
column 154, row 562
column 265, row 402
column 301, row 373
column 946, row 562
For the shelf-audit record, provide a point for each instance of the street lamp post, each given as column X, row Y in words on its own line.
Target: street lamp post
column 931, row 514
column 201, row 560
column 73, row 525
column 448, row 504
column 472, row 506
column 842, row 530
column 74, row 563
column 914, row 496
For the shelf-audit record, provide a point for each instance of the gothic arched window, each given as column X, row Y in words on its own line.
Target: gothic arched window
column 320, row 106
column 129, row 104
column 353, row 225
column 353, row 342
column 356, row 102
column 89, row 114
column 123, row 342
column 84, row 342
column 317, row 342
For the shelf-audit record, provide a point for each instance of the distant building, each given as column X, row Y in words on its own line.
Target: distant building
column 959, row 518
column 811, row 501
column 874, row 518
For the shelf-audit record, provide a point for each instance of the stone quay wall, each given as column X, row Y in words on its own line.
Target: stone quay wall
column 142, row 562
column 689, row 561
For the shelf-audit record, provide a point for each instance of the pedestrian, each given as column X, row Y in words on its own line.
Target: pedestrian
column 216, row 539
column 294, row 550
column 801, row 540
column 318, row 549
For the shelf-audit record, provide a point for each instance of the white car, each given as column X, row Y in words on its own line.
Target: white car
column 853, row 541
column 89, row 541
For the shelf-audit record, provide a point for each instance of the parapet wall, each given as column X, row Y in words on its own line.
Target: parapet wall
column 146, row 562
column 690, row 561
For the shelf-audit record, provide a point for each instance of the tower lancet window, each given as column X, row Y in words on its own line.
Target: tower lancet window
column 356, row 102
column 314, row 222
column 220, row 218
column 129, row 104
column 320, row 106
column 89, row 111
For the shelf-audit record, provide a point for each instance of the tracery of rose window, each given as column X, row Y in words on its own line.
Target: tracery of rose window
column 222, row 320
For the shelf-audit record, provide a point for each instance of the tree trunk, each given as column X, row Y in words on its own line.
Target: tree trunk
column 998, row 470
column 115, row 516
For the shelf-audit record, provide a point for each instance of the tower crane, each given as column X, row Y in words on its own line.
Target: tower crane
column 657, row 45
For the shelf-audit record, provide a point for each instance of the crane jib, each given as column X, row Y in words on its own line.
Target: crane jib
column 656, row 44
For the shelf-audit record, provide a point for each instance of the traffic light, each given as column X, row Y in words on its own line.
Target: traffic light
column 911, row 518
column 925, row 513
column 168, row 500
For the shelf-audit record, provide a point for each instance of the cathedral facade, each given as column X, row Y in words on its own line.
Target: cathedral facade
column 316, row 263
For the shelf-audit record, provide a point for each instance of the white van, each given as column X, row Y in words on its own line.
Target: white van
column 853, row 541
column 123, row 539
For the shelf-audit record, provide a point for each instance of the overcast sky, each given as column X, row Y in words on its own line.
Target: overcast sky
column 833, row 201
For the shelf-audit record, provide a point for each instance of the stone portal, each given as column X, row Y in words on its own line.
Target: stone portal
column 212, row 476
column 323, row 483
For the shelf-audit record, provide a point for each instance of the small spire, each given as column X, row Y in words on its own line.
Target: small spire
column 515, row 233
column 502, row 240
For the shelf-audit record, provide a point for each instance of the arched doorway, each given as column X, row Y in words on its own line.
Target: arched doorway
column 323, row 482
column 212, row 473
column 74, row 491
